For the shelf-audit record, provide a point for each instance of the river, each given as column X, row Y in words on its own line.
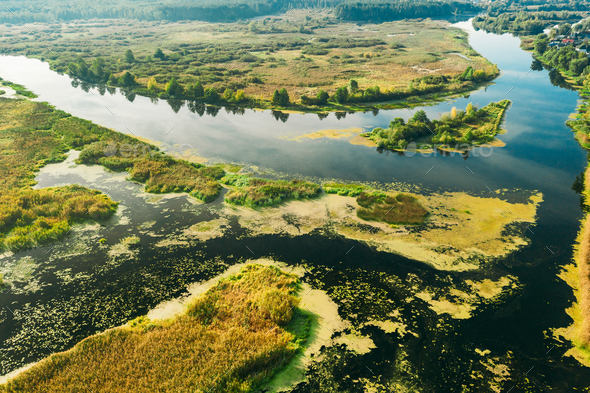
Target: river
column 540, row 154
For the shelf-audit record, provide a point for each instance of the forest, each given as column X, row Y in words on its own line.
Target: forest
column 524, row 23
column 378, row 10
column 221, row 10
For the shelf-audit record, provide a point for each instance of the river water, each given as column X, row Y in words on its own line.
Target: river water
column 540, row 154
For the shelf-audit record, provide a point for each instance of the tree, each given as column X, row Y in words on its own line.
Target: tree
column 152, row 85
column 470, row 109
column 353, row 86
column 453, row 113
column 212, row 95
column 129, row 58
column 341, row 95
column 577, row 66
column 280, row 97
column 541, row 43
column 420, row 116
column 112, row 80
column 127, row 79
column 322, row 97
column 565, row 29
column 252, row 27
column 240, row 96
column 228, row 94
column 173, row 88
column 284, row 97
column 276, row 98
column 159, row 54
column 195, row 91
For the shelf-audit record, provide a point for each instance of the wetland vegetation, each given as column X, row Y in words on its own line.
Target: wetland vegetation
column 401, row 209
column 317, row 63
column 470, row 127
column 250, row 191
column 248, row 324
column 30, row 217
column 35, row 134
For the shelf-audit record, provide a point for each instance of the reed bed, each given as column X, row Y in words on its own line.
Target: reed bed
column 250, row 191
column 231, row 339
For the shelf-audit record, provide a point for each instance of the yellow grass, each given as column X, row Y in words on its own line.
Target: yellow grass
column 231, row 339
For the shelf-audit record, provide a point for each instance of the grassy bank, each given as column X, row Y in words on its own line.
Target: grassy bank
column 562, row 60
column 31, row 217
column 34, row 134
column 313, row 56
column 253, row 192
column 233, row 338
column 470, row 127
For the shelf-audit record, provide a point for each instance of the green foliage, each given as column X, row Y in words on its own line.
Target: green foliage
column 351, row 190
column 31, row 217
column 341, row 95
column 127, row 79
column 159, row 54
column 254, row 192
column 353, row 86
column 524, row 23
column 173, row 88
column 248, row 326
column 19, row 89
column 381, row 11
column 129, row 58
column 402, row 209
column 566, row 59
column 472, row 126
column 280, row 97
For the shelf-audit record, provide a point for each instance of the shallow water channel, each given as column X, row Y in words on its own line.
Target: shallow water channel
column 64, row 292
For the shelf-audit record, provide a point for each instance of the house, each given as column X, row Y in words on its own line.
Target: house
column 567, row 41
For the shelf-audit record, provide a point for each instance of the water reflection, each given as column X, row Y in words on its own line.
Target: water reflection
column 278, row 115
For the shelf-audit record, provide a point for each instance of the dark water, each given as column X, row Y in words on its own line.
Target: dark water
column 541, row 154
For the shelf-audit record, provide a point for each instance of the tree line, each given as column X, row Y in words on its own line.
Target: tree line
column 380, row 11
column 25, row 11
column 528, row 23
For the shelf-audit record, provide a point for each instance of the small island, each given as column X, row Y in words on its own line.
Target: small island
column 458, row 130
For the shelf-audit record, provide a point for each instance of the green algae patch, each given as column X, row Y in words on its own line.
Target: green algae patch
column 462, row 232
column 234, row 337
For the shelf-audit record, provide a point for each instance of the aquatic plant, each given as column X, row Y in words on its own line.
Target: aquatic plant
column 351, row 190
column 402, row 209
column 233, row 338
column 251, row 191
column 32, row 217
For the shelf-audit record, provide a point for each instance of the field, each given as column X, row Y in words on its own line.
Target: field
column 245, row 63
column 233, row 338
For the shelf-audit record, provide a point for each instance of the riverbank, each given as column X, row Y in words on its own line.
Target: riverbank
column 579, row 332
column 387, row 65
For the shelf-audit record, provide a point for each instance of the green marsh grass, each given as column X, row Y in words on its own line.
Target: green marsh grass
column 402, row 209
column 251, row 191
